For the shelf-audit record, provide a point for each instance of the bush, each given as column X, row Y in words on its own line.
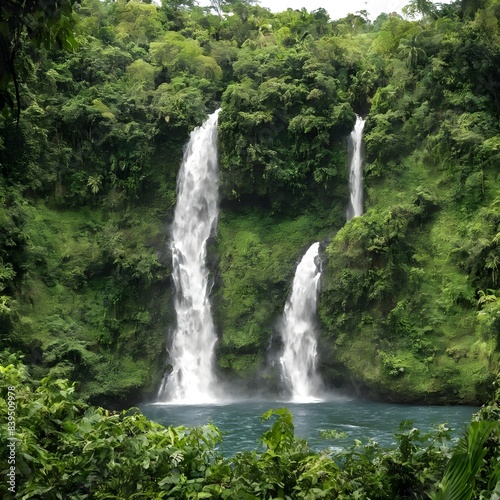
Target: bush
column 68, row 449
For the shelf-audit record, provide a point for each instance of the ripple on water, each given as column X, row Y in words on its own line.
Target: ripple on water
column 242, row 426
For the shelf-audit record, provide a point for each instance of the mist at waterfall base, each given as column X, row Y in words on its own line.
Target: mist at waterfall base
column 242, row 427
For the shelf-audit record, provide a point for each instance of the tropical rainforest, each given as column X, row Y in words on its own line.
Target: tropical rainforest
column 97, row 103
column 97, row 100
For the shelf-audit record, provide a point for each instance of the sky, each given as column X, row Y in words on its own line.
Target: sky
column 336, row 8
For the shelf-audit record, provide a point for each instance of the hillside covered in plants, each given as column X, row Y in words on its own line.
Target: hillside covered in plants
column 91, row 139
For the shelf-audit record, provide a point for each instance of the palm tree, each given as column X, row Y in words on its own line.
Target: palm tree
column 411, row 51
column 94, row 182
column 464, row 466
column 492, row 262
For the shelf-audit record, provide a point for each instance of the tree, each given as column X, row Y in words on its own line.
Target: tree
column 138, row 22
column 411, row 51
column 422, row 7
column 43, row 22
column 217, row 6
column 220, row 5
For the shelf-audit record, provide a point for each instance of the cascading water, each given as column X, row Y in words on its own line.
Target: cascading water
column 298, row 329
column 192, row 380
column 356, row 170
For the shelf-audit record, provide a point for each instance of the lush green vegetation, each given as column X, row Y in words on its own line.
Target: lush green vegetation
column 410, row 301
column 409, row 280
column 68, row 449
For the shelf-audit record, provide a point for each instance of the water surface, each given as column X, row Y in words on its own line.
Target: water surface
column 242, row 426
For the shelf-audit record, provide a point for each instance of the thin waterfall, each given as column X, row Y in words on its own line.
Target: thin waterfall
column 356, row 170
column 298, row 329
column 192, row 379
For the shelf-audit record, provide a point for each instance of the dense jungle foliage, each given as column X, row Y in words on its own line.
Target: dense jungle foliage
column 410, row 300
column 68, row 449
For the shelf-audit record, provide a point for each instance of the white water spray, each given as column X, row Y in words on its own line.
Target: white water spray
column 192, row 380
column 298, row 330
column 356, row 170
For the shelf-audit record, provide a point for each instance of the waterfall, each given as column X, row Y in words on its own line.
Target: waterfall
column 192, row 379
column 298, row 329
column 356, row 170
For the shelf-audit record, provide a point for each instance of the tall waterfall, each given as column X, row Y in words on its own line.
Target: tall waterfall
column 192, row 379
column 356, row 170
column 298, row 329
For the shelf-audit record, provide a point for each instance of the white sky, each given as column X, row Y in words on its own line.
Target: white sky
column 336, row 8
